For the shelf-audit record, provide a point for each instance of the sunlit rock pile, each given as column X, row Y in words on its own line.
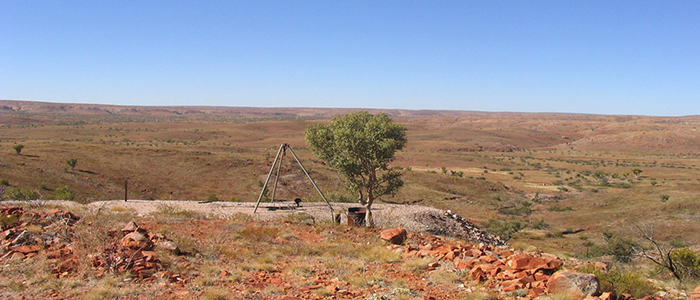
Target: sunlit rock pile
column 133, row 250
column 52, row 233
column 26, row 234
column 497, row 267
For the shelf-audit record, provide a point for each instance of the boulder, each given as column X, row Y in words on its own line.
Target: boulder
column 395, row 236
column 574, row 284
column 130, row 227
column 526, row 261
column 136, row 240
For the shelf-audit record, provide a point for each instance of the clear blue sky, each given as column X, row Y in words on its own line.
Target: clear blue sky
column 604, row 57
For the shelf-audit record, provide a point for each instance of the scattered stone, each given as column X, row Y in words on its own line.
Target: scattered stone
column 27, row 249
column 130, row 227
column 136, row 240
column 396, row 236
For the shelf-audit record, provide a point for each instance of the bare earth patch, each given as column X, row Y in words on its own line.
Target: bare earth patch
column 414, row 218
column 385, row 215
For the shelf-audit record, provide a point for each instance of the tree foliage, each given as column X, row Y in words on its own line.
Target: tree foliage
column 360, row 147
column 72, row 162
column 18, row 148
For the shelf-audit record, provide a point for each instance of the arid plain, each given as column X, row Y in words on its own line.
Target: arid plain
column 554, row 181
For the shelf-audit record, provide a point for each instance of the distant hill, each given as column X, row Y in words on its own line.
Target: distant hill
column 211, row 111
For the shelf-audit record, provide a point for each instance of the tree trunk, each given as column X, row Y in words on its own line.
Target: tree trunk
column 369, row 220
column 371, row 181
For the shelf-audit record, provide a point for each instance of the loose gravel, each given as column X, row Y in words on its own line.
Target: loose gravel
column 414, row 218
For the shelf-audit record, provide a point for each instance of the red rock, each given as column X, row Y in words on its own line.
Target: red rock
column 27, row 249
column 310, row 287
column 332, row 289
column 461, row 264
column 505, row 275
column 442, row 250
column 17, row 256
column 524, row 261
column 412, row 254
column 477, row 274
column 695, row 294
column 511, row 285
column 573, row 283
column 136, row 240
column 519, row 261
column 67, row 266
column 541, row 276
column 488, row 259
column 600, row 266
column 474, row 252
column 130, row 227
column 150, row 255
column 536, row 292
column 451, row 255
column 607, row 296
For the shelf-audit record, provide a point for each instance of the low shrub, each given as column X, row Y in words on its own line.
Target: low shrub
column 622, row 249
column 19, row 193
column 505, row 229
column 64, row 193
column 557, row 208
column 687, row 263
column 623, row 281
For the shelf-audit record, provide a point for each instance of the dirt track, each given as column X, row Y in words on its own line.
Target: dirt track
column 385, row 215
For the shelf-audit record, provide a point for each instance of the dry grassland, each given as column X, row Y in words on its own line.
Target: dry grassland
column 567, row 171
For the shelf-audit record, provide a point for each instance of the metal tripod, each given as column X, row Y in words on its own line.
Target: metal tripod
column 278, row 163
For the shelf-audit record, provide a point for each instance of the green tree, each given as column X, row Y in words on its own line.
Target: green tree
column 360, row 147
column 72, row 162
column 18, row 148
column 636, row 172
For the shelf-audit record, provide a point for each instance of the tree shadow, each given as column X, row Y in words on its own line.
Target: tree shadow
column 86, row 171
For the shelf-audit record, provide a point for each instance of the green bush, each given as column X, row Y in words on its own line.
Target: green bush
column 18, row 148
column 4, row 182
column 622, row 249
column 557, row 208
column 64, row 193
column 525, row 208
column 19, row 193
column 7, row 221
column 540, row 224
column 622, row 281
column 505, row 229
column 687, row 263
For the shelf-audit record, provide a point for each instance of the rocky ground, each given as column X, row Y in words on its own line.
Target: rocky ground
column 52, row 253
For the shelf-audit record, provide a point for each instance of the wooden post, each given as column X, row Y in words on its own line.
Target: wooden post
column 126, row 188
